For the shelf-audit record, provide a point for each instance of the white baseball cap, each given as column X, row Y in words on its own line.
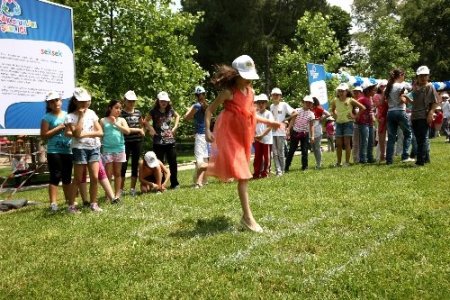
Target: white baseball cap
column 163, row 96
column 261, row 97
column 81, row 94
column 308, row 98
column 52, row 95
column 444, row 95
column 382, row 82
column 276, row 91
column 368, row 84
column 130, row 95
column 343, row 87
column 357, row 88
column 246, row 67
column 150, row 159
column 199, row 90
column 423, row 70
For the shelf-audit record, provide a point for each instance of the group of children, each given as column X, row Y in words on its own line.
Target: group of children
column 75, row 136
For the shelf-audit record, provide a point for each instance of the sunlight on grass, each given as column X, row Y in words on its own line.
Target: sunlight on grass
column 367, row 231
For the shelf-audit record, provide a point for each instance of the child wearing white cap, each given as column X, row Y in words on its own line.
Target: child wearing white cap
column 201, row 152
column 234, row 129
column 446, row 111
column 82, row 124
column 153, row 174
column 59, row 152
column 281, row 112
column 162, row 123
column 263, row 139
column 134, row 140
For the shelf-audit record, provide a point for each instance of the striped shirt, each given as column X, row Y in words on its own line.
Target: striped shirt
column 134, row 121
column 303, row 120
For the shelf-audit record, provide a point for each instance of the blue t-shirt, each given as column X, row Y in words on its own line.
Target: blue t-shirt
column 113, row 140
column 58, row 143
column 199, row 118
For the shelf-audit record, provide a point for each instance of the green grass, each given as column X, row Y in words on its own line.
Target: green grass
column 366, row 232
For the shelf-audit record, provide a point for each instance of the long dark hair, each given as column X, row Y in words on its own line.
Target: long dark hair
column 110, row 106
column 72, row 105
column 393, row 76
column 224, row 77
column 157, row 107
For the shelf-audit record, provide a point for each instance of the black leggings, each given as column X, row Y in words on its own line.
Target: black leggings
column 133, row 149
column 60, row 168
column 168, row 151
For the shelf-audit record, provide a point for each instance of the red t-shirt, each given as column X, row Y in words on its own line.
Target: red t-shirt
column 366, row 117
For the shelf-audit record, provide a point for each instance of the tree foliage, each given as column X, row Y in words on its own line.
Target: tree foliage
column 139, row 45
column 314, row 42
column 388, row 49
column 260, row 28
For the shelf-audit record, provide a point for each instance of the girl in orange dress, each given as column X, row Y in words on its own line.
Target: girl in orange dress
column 234, row 129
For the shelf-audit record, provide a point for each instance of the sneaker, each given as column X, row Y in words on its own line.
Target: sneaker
column 115, row 200
column 408, row 160
column 54, row 207
column 72, row 209
column 198, row 186
column 96, row 208
column 338, row 165
column 133, row 192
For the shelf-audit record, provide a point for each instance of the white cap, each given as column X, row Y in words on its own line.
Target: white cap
column 130, row 95
column 199, row 90
column 308, row 98
column 163, row 96
column 444, row 95
column 367, row 84
column 246, row 67
column 276, row 91
column 382, row 82
column 261, row 97
column 357, row 88
column 343, row 87
column 330, row 118
column 423, row 70
column 81, row 94
column 52, row 95
column 438, row 108
column 150, row 159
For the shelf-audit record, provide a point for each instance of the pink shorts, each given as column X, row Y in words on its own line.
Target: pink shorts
column 109, row 157
column 101, row 172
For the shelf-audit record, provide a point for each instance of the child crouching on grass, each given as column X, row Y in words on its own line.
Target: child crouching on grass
column 263, row 139
column 153, row 174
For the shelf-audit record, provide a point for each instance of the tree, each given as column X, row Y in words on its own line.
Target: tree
column 140, row 45
column 427, row 24
column 314, row 42
column 388, row 49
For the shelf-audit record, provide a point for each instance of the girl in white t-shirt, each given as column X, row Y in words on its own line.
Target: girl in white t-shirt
column 83, row 125
column 263, row 139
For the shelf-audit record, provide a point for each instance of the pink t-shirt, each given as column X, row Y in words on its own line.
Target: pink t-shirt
column 366, row 117
column 303, row 120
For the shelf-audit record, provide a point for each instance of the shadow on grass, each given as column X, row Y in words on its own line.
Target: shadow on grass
column 203, row 227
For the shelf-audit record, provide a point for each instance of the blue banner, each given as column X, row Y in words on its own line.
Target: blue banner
column 317, row 84
column 36, row 56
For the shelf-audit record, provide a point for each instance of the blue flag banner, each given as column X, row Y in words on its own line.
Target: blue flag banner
column 36, row 56
column 317, row 84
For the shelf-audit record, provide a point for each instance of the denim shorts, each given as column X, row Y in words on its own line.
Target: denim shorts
column 109, row 157
column 85, row 156
column 344, row 129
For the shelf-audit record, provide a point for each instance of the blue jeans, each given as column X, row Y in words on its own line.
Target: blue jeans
column 365, row 143
column 396, row 119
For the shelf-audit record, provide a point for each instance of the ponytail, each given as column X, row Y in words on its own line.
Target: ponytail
column 393, row 76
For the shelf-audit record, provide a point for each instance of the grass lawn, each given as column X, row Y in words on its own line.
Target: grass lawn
column 366, row 231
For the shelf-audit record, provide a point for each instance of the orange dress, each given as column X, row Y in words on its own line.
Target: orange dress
column 234, row 132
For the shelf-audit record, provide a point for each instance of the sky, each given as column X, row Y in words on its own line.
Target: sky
column 344, row 4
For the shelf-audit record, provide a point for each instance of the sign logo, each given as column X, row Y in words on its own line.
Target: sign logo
column 8, row 24
column 314, row 74
column 11, row 8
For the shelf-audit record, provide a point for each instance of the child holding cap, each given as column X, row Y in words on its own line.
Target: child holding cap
column 162, row 122
column 263, row 139
column 83, row 125
column 133, row 141
column 153, row 175
column 197, row 112
column 301, row 130
column 59, row 152
column 234, row 129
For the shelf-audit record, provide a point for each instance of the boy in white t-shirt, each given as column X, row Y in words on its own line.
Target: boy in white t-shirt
column 263, row 139
column 281, row 111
